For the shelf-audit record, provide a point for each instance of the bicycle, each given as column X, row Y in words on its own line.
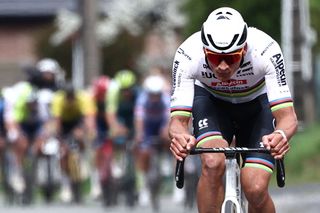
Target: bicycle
column 48, row 168
column 234, row 198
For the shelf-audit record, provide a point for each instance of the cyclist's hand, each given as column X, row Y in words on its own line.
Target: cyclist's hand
column 181, row 144
column 277, row 144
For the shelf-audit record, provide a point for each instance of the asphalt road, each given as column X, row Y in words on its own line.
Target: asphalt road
column 304, row 199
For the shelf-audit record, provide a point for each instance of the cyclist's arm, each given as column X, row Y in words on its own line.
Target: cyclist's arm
column 88, row 110
column 281, row 103
column 286, row 120
column 286, row 126
column 181, row 139
column 139, row 115
column 166, row 116
column 184, row 70
column 112, row 103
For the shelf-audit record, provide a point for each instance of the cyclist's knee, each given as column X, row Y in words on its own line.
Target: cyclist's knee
column 256, row 192
column 213, row 165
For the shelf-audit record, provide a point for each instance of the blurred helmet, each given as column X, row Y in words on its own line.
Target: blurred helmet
column 49, row 65
column 100, row 87
column 224, row 31
column 154, row 84
column 125, row 78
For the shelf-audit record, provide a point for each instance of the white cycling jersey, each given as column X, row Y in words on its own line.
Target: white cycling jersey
column 262, row 71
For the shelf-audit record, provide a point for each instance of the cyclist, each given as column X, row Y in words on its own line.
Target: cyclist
column 73, row 114
column 231, row 79
column 121, row 99
column 102, row 146
column 25, row 114
column 151, row 127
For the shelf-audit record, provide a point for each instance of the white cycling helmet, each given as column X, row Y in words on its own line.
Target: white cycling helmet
column 224, row 31
column 49, row 65
column 154, row 84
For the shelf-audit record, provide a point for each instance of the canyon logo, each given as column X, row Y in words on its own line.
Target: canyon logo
column 230, row 83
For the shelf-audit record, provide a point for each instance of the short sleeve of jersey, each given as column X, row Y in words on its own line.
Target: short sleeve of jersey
column 185, row 64
column 277, row 87
column 139, row 111
column 86, row 103
column 57, row 104
column 22, row 90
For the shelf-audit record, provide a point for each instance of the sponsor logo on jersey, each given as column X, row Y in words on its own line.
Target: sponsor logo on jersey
column 174, row 75
column 206, row 66
column 229, row 83
column 265, row 49
column 208, row 74
column 277, row 61
column 246, row 69
column 245, row 64
column 181, row 51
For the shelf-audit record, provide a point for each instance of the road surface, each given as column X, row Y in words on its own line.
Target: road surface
column 304, row 199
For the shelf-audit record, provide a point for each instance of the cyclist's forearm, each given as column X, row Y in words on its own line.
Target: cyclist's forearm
column 286, row 120
column 178, row 125
column 138, row 129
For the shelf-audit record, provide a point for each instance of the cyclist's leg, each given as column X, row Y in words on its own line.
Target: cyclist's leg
column 257, row 171
column 144, row 152
column 209, row 121
column 64, row 131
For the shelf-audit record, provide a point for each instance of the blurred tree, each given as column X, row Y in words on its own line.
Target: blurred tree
column 264, row 15
column 315, row 21
column 62, row 53
column 122, row 28
column 122, row 53
column 127, row 23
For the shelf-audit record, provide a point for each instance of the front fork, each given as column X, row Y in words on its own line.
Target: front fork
column 233, row 186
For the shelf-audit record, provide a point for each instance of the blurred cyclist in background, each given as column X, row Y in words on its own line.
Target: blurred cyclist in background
column 73, row 113
column 26, row 110
column 151, row 128
column 102, row 145
column 121, row 99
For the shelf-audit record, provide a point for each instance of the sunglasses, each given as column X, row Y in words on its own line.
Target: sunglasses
column 216, row 58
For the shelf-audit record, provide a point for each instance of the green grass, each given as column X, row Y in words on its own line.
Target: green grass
column 302, row 162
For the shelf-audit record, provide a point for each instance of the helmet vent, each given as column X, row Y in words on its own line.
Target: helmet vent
column 222, row 17
column 203, row 37
column 243, row 37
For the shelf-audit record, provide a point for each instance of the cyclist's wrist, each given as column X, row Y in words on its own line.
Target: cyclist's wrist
column 282, row 133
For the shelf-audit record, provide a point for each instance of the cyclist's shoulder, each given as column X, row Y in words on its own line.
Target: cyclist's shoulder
column 84, row 98
column 193, row 39
column 260, row 35
column 113, row 89
column 260, row 41
column 191, row 47
column 58, row 95
column 83, row 94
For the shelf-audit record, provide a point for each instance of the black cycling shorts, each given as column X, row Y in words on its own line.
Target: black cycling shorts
column 248, row 122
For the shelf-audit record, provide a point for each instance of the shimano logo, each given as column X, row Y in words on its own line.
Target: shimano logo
column 174, row 75
column 181, row 51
